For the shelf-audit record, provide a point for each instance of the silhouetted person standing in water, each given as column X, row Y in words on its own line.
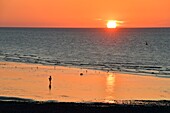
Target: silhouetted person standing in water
column 50, row 78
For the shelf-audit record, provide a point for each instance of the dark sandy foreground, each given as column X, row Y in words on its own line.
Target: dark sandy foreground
column 50, row 107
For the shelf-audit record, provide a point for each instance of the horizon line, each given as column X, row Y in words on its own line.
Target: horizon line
column 81, row 27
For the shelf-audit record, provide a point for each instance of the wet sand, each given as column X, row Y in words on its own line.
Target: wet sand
column 67, row 85
column 116, row 90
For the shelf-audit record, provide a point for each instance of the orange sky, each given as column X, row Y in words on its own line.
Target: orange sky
column 84, row 13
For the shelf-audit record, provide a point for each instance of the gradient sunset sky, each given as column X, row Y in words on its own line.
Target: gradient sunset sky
column 84, row 13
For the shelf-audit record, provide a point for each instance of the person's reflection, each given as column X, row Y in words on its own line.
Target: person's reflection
column 50, row 86
column 50, row 78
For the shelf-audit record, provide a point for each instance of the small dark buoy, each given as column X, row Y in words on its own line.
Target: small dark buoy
column 146, row 43
column 81, row 74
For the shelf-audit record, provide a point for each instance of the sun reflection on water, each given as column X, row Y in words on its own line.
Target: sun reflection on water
column 110, row 81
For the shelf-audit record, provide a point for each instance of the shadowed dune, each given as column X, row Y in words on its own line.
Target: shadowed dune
column 38, row 107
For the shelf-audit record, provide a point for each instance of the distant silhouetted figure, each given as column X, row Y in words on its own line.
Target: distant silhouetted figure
column 50, row 78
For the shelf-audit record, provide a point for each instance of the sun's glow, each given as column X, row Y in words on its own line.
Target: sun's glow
column 111, row 24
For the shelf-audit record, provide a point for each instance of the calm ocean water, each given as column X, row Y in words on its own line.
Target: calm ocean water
column 126, row 50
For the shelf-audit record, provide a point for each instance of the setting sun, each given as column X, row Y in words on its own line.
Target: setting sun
column 111, row 24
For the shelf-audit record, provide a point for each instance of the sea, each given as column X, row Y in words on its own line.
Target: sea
column 144, row 51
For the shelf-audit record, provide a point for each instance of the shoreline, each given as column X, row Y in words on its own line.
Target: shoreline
column 123, row 71
column 153, row 70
